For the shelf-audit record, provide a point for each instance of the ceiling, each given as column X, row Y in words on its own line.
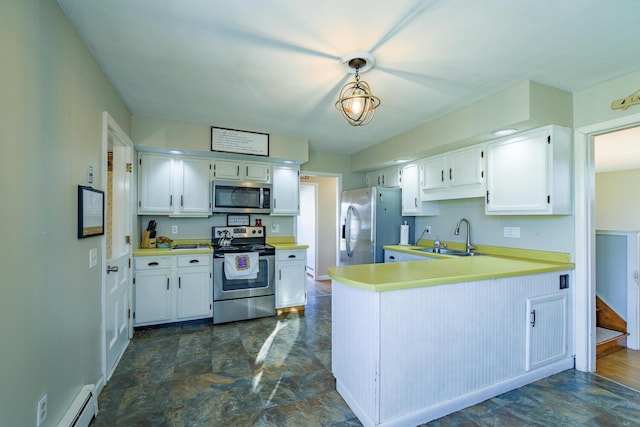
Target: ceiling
column 274, row 66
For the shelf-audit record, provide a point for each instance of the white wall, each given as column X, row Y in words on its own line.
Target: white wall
column 618, row 200
column 53, row 96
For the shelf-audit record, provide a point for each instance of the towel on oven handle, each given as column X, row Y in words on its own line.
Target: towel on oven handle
column 241, row 265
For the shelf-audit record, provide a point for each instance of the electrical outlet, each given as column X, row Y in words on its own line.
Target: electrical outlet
column 174, row 229
column 41, row 410
column 275, row 228
column 427, row 229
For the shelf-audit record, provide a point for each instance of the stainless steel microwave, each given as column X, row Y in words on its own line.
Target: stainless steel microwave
column 241, row 197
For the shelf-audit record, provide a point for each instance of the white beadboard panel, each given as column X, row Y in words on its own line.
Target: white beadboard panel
column 440, row 346
column 355, row 344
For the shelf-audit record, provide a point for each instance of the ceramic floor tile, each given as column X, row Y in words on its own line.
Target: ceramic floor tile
column 276, row 371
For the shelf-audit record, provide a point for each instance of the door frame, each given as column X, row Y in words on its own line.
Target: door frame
column 111, row 127
column 584, row 202
column 313, row 185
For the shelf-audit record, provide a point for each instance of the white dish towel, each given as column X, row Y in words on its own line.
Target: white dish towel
column 241, row 265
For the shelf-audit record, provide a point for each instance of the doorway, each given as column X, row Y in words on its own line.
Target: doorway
column 585, row 227
column 325, row 224
column 617, row 203
column 307, row 225
column 116, row 278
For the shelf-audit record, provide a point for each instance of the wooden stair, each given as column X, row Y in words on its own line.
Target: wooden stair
column 611, row 330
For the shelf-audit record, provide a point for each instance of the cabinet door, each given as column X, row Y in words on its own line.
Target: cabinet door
column 547, row 330
column 392, row 256
column 466, row 169
column 152, row 296
column 285, row 191
column 392, row 177
column 154, row 184
column 257, row 172
column 411, row 203
column 194, row 299
column 517, row 174
column 433, row 173
column 226, row 169
column 291, row 284
column 410, row 194
column 195, row 187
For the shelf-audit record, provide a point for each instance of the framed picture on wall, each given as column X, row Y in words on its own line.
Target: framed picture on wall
column 90, row 212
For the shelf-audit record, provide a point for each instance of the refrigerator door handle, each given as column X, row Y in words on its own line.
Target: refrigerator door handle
column 348, row 231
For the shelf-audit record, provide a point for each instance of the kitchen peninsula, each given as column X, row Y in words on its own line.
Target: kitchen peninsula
column 414, row 341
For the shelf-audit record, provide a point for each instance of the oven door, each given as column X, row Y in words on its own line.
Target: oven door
column 228, row 289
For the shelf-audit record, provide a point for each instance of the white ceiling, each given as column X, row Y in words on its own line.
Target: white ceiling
column 274, row 66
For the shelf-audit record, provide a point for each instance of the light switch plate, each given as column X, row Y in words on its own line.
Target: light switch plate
column 512, row 232
column 93, row 257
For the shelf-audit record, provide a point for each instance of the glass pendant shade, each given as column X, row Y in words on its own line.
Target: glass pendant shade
column 356, row 102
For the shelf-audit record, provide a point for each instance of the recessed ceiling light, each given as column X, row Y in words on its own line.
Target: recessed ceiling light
column 504, row 132
column 176, row 152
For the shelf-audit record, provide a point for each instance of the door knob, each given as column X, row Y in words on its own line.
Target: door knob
column 112, row 269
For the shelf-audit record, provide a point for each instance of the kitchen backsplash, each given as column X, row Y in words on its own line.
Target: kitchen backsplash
column 549, row 233
column 199, row 228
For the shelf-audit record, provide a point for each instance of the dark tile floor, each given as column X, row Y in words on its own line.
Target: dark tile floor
column 276, row 372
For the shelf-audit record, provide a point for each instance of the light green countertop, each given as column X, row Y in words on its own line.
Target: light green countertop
column 497, row 263
column 169, row 251
column 284, row 243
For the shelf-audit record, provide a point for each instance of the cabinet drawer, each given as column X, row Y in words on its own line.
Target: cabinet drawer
column 194, row 260
column 291, row 255
column 153, row 263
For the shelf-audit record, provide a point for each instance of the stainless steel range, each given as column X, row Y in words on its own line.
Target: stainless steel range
column 243, row 274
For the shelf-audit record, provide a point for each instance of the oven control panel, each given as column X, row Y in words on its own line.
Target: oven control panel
column 239, row 232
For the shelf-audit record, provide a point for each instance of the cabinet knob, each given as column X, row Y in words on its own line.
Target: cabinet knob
column 112, row 269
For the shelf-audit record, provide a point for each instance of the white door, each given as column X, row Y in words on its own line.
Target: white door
column 118, row 246
column 306, row 225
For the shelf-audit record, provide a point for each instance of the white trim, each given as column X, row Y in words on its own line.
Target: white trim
column 110, row 126
column 584, row 199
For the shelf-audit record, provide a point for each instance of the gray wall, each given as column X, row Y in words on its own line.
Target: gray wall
column 53, row 96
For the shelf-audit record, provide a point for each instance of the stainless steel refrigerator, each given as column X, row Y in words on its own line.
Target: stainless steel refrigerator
column 370, row 219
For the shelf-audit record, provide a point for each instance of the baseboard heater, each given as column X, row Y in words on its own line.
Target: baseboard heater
column 82, row 410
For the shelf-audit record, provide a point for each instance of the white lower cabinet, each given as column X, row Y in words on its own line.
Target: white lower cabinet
column 291, row 281
column 397, row 256
column 172, row 288
column 547, row 329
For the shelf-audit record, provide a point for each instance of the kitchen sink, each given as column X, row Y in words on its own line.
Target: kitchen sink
column 448, row 252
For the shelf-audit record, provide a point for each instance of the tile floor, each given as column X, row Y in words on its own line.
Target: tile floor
column 276, row 372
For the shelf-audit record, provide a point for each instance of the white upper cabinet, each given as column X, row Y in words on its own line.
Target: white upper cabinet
column 391, row 177
column 154, row 184
column 285, row 190
column 530, row 173
column 456, row 175
column 242, row 171
column 174, row 186
column 412, row 205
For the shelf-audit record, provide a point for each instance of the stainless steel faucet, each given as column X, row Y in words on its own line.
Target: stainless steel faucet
column 457, row 232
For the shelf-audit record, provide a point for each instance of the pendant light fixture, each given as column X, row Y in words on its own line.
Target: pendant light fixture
column 356, row 102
